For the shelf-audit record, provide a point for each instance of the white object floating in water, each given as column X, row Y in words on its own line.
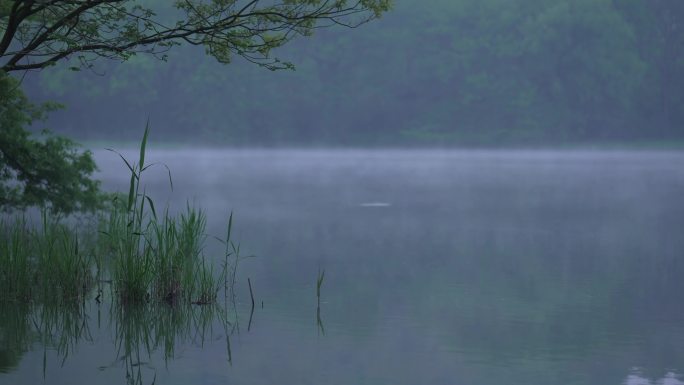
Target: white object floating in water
column 375, row 204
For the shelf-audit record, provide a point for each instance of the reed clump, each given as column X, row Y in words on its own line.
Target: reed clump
column 47, row 260
column 145, row 255
column 156, row 256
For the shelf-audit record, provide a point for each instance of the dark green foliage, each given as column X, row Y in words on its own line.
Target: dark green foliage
column 40, row 169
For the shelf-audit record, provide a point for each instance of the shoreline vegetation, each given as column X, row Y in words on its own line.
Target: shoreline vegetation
column 145, row 255
column 648, row 145
column 146, row 269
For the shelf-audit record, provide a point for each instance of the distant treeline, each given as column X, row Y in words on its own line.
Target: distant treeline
column 483, row 72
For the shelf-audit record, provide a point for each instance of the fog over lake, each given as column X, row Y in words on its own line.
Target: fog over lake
column 348, row 192
column 441, row 266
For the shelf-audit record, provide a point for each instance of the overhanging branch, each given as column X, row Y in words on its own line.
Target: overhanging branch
column 46, row 32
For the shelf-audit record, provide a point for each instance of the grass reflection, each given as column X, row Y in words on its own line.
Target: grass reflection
column 15, row 334
column 319, row 283
column 143, row 335
column 145, row 330
column 61, row 326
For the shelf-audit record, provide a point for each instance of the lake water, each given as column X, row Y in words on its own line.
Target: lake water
column 441, row 267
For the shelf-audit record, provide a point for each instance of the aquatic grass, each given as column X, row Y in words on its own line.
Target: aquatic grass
column 48, row 259
column 111, row 226
column 145, row 255
column 206, row 285
column 63, row 266
column 231, row 260
column 169, row 263
column 230, row 250
column 132, row 266
column 155, row 256
column 192, row 226
column 16, row 264
column 132, row 263
column 132, row 275
column 178, row 244
column 133, row 258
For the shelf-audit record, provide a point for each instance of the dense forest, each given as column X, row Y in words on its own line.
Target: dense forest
column 446, row 72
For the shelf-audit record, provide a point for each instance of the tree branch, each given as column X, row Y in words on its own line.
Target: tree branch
column 109, row 29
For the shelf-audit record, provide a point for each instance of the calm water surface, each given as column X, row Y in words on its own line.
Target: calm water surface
column 441, row 267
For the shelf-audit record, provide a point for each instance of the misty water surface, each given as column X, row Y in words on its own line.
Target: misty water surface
column 441, row 267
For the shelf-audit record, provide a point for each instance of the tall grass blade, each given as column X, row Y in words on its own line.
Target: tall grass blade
column 131, row 192
column 170, row 179
column 143, row 145
column 130, row 168
column 230, row 227
column 151, row 203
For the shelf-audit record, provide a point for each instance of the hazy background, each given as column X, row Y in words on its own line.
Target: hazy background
column 438, row 72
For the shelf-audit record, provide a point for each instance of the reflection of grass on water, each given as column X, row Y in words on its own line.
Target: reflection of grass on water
column 319, row 283
column 142, row 330
column 15, row 334
column 59, row 326
column 159, row 327
column 145, row 329
column 62, row 326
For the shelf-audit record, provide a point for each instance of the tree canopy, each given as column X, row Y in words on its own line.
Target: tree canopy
column 44, row 169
